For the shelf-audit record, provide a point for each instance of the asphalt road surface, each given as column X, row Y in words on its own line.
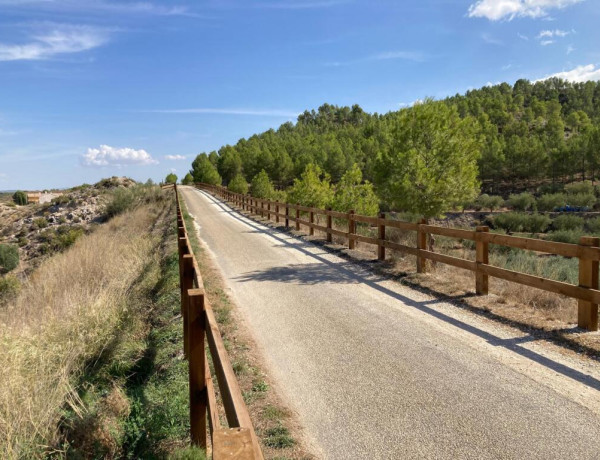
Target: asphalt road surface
column 375, row 369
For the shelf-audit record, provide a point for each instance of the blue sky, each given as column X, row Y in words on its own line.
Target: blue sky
column 90, row 89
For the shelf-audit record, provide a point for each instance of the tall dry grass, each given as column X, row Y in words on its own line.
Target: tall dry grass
column 68, row 312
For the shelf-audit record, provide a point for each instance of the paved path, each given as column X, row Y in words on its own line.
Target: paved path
column 375, row 369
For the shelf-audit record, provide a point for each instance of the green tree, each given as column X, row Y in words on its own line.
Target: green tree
column 20, row 198
column 312, row 189
column 229, row 164
column 188, row 179
column 238, row 185
column 261, row 186
column 432, row 163
column 171, row 178
column 203, row 170
column 351, row 193
column 9, row 257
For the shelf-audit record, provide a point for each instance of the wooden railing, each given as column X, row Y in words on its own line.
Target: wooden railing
column 239, row 441
column 587, row 251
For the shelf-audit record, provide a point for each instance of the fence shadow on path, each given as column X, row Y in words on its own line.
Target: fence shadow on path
column 350, row 272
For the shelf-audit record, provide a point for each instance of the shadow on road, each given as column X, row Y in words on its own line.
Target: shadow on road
column 352, row 273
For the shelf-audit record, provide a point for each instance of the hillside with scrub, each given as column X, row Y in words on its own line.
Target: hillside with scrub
column 499, row 140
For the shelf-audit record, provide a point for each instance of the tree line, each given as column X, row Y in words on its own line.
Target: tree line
column 433, row 156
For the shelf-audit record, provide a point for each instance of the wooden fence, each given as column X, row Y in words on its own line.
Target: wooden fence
column 587, row 251
column 239, row 440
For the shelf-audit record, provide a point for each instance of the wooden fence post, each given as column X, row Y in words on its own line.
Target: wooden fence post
column 381, row 237
column 311, row 230
column 197, row 370
column 351, row 229
column 277, row 211
column 287, row 215
column 268, row 210
column 329, row 226
column 187, row 283
column 587, row 312
column 297, row 217
column 421, row 245
column 481, row 257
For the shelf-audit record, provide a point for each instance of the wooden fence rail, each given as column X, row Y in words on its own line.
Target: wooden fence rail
column 238, row 440
column 587, row 251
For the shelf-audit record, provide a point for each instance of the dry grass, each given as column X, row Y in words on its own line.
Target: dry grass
column 68, row 312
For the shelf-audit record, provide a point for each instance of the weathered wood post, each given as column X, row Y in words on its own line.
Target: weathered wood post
column 297, row 217
column 287, row 215
column 329, row 226
column 197, row 369
column 268, row 210
column 351, row 229
column 381, row 236
column 311, row 230
column 277, row 211
column 481, row 257
column 587, row 313
column 187, row 283
column 421, row 245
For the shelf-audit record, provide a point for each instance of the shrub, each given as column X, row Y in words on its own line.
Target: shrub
column 521, row 202
column 312, row 189
column 550, row 189
column 593, row 225
column 40, row 222
column 584, row 200
column 261, row 186
column 351, row 194
column 20, row 198
column 486, row 201
column 62, row 199
column 9, row 257
column 567, row 222
column 171, row 178
column 509, row 221
column 22, row 241
column 551, row 201
column 121, row 201
column 238, row 185
column 536, row 223
column 580, row 188
column 9, row 287
column 565, row 236
column 187, row 180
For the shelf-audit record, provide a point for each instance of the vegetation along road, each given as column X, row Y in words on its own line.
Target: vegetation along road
column 375, row 369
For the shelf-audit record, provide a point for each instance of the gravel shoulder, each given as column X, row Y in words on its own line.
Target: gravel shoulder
column 375, row 369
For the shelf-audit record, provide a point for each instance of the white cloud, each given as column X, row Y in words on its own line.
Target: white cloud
column 287, row 5
column 570, row 49
column 113, row 156
column 495, row 10
column 523, row 37
column 214, row 111
column 546, row 42
column 415, row 56
column 578, row 74
column 175, row 157
column 552, row 33
column 507, row 66
column 54, row 39
column 491, row 40
column 100, row 6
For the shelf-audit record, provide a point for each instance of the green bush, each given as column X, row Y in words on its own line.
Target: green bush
column 312, row 189
column 122, row 200
column 580, row 188
column 62, row 199
column 350, row 193
column 20, row 198
column 490, row 202
column 40, row 222
column 586, row 200
column 261, row 186
column 565, row 236
column 238, row 185
column 550, row 189
column 521, row 202
column 171, row 178
column 568, row 222
column 187, row 180
column 9, row 257
column 536, row 223
column 519, row 222
column 9, row 287
column 551, row 201
column 593, row 225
